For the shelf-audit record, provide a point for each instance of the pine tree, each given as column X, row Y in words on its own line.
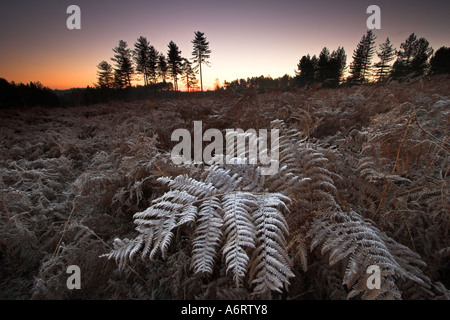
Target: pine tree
column 401, row 66
column 369, row 50
column 306, row 70
column 119, row 81
column 336, row 66
column 105, row 75
column 162, row 67
column 360, row 68
column 152, row 64
column 422, row 54
column 323, row 65
column 356, row 65
column 189, row 75
column 386, row 55
column 174, row 61
column 315, row 62
column 413, row 57
column 124, row 68
column 141, row 56
column 440, row 62
column 200, row 53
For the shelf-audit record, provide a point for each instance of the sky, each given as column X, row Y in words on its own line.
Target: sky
column 247, row 37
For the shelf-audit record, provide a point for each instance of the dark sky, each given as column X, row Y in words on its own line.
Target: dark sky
column 247, row 38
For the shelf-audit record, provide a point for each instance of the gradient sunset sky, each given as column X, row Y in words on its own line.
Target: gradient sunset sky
column 247, row 38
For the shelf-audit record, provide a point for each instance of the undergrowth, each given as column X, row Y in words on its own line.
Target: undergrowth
column 363, row 180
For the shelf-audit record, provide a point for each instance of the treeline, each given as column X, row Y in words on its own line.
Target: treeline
column 413, row 59
column 93, row 95
column 259, row 84
column 161, row 72
column 26, row 95
column 329, row 69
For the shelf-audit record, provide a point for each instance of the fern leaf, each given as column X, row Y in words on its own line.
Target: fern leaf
column 360, row 244
column 239, row 232
column 271, row 264
column 208, row 236
column 192, row 186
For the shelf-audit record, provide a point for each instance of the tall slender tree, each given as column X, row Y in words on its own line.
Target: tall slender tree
column 337, row 65
column 306, row 71
column 141, row 56
column 356, row 65
column 124, row 68
column 360, row 68
column 386, row 55
column 174, row 62
column 323, row 70
column 401, row 66
column 105, row 75
column 189, row 75
column 422, row 54
column 162, row 67
column 369, row 51
column 201, row 53
column 152, row 64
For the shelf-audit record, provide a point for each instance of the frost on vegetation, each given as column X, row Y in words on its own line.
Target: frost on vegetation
column 363, row 179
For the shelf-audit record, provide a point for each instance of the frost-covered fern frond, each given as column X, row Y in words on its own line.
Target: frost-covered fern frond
column 359, row 244
column 240, row 232
column 289, row 174
column 270, row 259
column 249, row 228
column 208, row 235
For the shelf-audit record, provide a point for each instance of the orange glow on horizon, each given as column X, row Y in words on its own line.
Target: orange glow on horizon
column 247, row 39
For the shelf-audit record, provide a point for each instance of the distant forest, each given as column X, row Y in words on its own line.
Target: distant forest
column 327, row 70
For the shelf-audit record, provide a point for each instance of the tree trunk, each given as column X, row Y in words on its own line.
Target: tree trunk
column 200, row 63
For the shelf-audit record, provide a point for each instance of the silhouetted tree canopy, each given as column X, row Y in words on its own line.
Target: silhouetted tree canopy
column 26, row 95
column 328, row 69
column 162, row 67
column 105, row 75
column 260, row 84
column 440, row 62
column 323, row 70
column 386, row 55
column 306, row 71
column 361, row 66
column 188, row 75
column 123, row 70
column 413, row 58
column 141, row 56
column 152, row 65
column 336, row 65
column 174, row 62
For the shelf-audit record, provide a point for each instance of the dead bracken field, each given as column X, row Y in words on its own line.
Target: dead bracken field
column 364, row 180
